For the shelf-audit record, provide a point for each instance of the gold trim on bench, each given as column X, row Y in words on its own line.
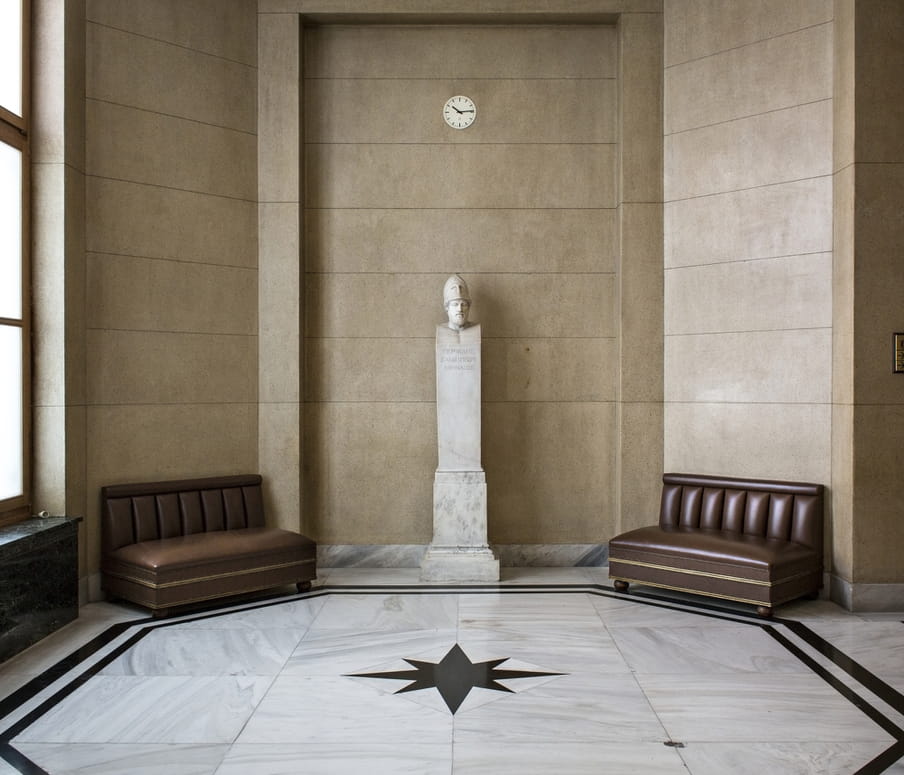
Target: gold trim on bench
column 708, row 575
column 696, row 592
column 196, row 579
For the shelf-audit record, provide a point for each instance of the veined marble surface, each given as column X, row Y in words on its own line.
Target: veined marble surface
column 599, row 682
column 510, row 555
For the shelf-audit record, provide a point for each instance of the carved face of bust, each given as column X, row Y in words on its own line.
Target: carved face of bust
column 457, row 310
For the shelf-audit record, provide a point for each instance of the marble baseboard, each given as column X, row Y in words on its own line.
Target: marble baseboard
column 552, row 555
column 510, row 555
column 370, row 556
column 866, row 598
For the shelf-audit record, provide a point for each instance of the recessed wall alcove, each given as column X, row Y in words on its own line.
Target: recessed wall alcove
column 550, row 205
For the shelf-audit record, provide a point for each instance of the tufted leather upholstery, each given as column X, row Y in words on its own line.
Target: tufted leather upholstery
column 172, row 543
column 754, row 541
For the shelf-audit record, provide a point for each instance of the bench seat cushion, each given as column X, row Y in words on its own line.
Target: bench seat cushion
column 715, row 551
column 750, row 569
column 182, row 569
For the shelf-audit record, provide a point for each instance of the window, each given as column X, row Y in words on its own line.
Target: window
column 15, row 345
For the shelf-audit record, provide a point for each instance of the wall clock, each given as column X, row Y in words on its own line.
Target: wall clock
column 459, row 112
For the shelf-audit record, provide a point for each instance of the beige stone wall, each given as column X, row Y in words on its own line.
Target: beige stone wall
column 58, row 260
column 869, row 287
column 748, row 238
column 171, row 236
column 523, row 205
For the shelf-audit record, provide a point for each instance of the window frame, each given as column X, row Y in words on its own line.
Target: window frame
column 14, row 131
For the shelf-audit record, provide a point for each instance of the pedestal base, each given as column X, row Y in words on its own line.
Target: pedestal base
column 454, row 563
column 459, row 551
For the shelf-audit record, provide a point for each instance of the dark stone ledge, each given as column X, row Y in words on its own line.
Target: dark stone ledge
column 38, row 580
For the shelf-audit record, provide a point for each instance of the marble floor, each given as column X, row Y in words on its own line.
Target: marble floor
column 549, row 671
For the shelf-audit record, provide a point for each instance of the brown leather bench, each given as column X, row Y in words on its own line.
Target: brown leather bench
column 752, row 541
column 166, row 544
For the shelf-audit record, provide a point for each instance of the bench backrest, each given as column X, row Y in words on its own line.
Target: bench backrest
column 131, row 513
column 790, row 511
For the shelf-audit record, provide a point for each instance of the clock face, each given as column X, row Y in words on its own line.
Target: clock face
column 459, row 112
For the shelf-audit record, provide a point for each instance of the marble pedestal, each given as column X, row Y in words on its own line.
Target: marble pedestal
column 459, row 551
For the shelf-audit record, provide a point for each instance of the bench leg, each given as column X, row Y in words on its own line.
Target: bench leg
column 620, row 586
column 765, row 611
column 303, row 586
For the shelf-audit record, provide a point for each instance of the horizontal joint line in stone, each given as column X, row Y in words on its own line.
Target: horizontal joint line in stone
column 55, row 162
column 671, row 402
column 770, row 184
column 443, row 79
column 183, row 190
column 525, row 338
column 171, row 43
column 747, row 117
column 748, row 45
column 462, row 143
column 469, row 273
column 733, row 332
column 252, row 335
column 463, row 209
column 749, row 260
column 172, row 260
column 486, row 401
column 171, row 115
column 109, row 405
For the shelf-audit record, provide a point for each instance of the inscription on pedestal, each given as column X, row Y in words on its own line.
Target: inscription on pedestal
column 458, row 398
column 459, row 359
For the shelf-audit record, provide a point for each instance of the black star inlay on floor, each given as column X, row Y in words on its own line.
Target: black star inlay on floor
column 454, row 676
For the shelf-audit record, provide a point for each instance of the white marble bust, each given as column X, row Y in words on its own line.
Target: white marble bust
column 457, row 302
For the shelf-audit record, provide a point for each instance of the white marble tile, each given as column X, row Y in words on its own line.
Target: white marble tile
column 345, row 758
column 716, row 647
column 565, row 652
column 516, row 614
column 197, row 652
column 876, row 645
column 385, row 612
column 816, row 610
column 755, row 707
column 895, row 681
column 543, row 758
column 620, row 611
column 336, row 709
column 160, row 709
column 134, row 759
column 830, row 758
column 292, row 615
column 366, row 652
column 581, row 707
column 599, row 575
